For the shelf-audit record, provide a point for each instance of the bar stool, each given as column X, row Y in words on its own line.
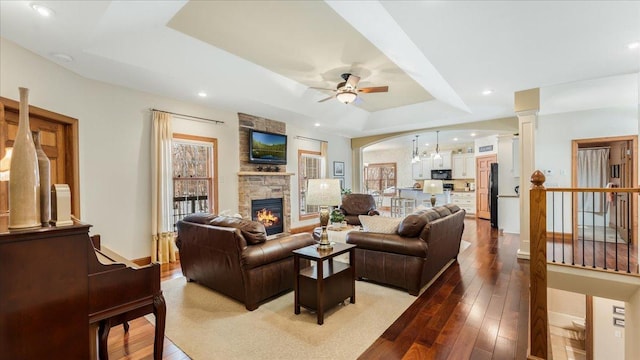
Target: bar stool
column 401, row 207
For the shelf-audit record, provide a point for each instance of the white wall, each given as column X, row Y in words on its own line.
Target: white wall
column 508, row 207
column 553, row 145
column 486, row 141
column 608, row 340
column 114, row 136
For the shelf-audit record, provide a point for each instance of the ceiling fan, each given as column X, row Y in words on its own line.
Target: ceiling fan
column 347, row 91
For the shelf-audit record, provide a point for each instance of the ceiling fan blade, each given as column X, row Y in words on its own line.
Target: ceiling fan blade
column 353, row 81
column 325, row 99
column 374, row 89
column 319, row 88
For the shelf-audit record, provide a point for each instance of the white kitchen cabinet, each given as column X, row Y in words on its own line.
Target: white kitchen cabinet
column 443, row 163
column 465, row 200
column 422, row 170
column 464, row 166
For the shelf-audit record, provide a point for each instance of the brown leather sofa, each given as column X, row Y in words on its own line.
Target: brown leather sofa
column 354, row 205
column 425, row 242
column 234, row 257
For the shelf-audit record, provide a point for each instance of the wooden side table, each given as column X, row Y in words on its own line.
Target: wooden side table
column 327, row 283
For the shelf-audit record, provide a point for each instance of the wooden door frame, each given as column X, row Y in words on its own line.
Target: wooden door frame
column 71, row 143
column 575, row 144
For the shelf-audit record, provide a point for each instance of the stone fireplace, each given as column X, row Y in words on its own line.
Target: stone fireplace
column 269, row 213
column 259, row 185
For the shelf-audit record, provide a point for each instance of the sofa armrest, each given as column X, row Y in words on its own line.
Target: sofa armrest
column 274, row 249
column 391, row 243
column 373, row 212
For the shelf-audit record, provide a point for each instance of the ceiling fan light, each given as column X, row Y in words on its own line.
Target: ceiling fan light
column 346, row 97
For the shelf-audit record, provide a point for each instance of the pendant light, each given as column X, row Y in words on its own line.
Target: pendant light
column 414, row 156
column 436, row 155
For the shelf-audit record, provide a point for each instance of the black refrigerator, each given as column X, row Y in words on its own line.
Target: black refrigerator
column 493, row 194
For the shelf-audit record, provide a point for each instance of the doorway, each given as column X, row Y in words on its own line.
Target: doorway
column 619, row 159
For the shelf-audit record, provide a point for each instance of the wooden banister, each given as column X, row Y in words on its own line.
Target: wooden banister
column 538, row 321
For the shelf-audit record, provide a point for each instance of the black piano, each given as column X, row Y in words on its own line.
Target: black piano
column 56, row 290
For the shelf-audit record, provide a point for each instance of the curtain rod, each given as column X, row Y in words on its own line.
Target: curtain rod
column 190, row 116
column 594, row 148
column 308, row 138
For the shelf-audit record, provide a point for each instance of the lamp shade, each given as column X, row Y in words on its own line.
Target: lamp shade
column 324, row 192
column 5, row 164
column 432, row 187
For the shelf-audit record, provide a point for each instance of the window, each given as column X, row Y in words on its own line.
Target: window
column 380, row 177
column 195, row 184
column 310, row 166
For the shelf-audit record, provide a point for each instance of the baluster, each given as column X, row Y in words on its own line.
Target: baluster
column 583, row 242
column 562, row 223
column 593, row 228
column 553, row 226
column 573, row 235
column 628, row 233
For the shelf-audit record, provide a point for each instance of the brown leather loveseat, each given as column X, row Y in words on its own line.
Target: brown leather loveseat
column 424, row 243
column 234, row 257
column 354, row 205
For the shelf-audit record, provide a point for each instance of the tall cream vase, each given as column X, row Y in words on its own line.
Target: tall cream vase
column 24, row 181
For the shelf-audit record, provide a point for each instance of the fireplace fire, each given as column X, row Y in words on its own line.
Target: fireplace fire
column 269, row 213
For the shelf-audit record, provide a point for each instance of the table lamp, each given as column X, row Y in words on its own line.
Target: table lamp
column 324, row 192
column 433, row 187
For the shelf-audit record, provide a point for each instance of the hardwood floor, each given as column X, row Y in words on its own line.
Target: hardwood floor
column 477, row 309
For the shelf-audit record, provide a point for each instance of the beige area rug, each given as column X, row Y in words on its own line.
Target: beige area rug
column 598, row 233
column 207, row 325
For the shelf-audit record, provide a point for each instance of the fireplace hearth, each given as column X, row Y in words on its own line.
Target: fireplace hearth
column 270, row 213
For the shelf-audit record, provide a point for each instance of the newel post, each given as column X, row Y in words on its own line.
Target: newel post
column 538, row 322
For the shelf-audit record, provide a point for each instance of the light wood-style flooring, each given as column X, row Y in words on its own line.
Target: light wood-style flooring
column 477, row 309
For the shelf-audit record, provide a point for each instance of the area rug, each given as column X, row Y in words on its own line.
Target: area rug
column 207, row 325
column 599, row 233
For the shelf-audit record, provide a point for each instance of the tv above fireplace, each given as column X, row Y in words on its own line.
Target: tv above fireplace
column 267, row 148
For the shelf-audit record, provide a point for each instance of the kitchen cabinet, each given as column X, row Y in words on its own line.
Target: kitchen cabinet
column 443, row 163
column 465, row 200
column 464, row 166
column 422, row 170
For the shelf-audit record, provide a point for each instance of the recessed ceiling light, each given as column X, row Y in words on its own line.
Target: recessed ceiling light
column 63, row 57
column 42, row 10
column 487, row 92
column 455, row 139
column 633, row 45
column 316, row 124
column 202, row 94
column 473, row 134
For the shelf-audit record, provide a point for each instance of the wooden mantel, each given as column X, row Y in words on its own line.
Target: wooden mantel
column 265, row 173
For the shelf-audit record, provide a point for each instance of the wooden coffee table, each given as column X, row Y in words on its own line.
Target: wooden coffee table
column 327, row 283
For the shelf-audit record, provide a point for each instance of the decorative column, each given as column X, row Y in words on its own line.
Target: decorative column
column 526, row 106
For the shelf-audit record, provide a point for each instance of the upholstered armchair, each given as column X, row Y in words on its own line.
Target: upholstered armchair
column 357, row 204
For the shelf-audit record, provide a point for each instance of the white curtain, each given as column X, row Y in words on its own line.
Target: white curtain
column 163, row 248
column 324, row 149
column 593, row 166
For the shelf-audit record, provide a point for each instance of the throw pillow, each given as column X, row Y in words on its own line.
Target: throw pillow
column 379, row 224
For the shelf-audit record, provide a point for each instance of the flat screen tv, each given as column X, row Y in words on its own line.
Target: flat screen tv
column 267, row 148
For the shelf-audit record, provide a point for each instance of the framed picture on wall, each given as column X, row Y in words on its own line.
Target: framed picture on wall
column 341, row 182
column 338, row 168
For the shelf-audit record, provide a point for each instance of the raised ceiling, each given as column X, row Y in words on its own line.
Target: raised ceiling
column 262, row 57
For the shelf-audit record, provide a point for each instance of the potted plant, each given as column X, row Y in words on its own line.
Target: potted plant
column 336, row 218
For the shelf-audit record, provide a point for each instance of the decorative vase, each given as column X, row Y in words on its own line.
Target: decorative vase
column 24, row 181
column 44, row 169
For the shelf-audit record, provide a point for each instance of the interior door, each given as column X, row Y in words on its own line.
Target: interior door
column 59, row 140
column 483, row 170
